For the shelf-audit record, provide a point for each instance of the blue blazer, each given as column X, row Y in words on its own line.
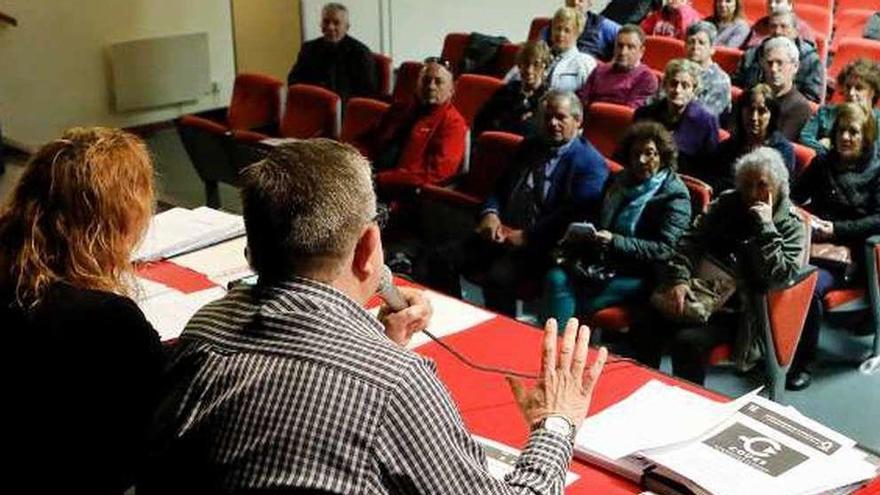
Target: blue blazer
column 575, row 192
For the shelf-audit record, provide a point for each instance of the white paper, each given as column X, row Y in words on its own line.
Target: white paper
column 169, row 312
column 178, row 230
column 221, row 263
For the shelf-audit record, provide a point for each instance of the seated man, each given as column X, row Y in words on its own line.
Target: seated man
column 420, row 142
column 599, row 34
column 625, row 80
column 780, row 63
column 557, row 178
column 292, row 386
column 336, row 61
column 810, row 77
column 762, row 29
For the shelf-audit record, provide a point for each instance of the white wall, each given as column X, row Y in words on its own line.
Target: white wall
column 55, row 67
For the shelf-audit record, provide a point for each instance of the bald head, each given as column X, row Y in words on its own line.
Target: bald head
column 435, row 84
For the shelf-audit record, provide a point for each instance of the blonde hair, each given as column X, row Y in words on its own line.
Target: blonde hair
column 80, row 207
column 572, row 15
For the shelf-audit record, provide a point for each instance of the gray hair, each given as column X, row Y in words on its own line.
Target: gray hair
column 784, row 11
column 574, row 103
column 703, row 27
column 760, row 160
column 683, row 65
column 785, row 44
column 305, row 206
column 334, row 7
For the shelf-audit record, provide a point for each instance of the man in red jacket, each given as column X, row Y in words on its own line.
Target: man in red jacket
column 422, row 142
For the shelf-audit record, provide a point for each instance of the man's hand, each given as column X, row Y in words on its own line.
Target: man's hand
column 515, row 237
column 823, row 230
column 603, row 237
column 490, row 228
column 563, row 388
column 401, row 325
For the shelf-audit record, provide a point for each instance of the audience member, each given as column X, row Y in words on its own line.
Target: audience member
column 556, row 178
column 780, row 63
column 626, row 80
column 292, row 386
column 757, row 125
column 753, row 232
column 695, row 129
column 336, row 61
column 872, row 27
column 729, row 19
column 422, row 141
column 645, row 209
column 511, row 108
column 672, row 19
column 714, row 88
column 86, row 361
column 810, row 75
column 841, row 189
column 570, row 67
column 597, row 38
column 858, row 82
column 763, row 28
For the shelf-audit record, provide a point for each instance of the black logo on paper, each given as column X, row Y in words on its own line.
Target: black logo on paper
column 755, row 450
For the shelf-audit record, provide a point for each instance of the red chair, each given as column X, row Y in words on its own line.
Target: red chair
column 505, row 60
column 818, row 18
column 361, row 114
column 825, row 4
column 612, row 166
column 851, row 49
column 384, row 72
column 754, row 10
column 537, row 27
column 311, row 112
column 605, row 125
column 661, row 49
column 471, row 93
column 849, row 23
column 454, row 46
column 406, row 82
column 803, row 157
column 705, row 7
column 735, row 94
column 872, row 5
column 727, row 58
column 256, row 101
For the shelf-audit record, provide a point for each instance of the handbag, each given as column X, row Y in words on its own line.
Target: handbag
column 833, row 257
column 708, row 291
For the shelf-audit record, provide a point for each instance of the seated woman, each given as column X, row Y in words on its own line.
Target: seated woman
column 86, row 361
column 694, row 128
column 730, row 20
column 757, row 115
column 672, row 19
column 858, row 82
column 841, row 189
column 512, row 107
column 646, row 207
column 755, row 233
column 714, row 90
column 569, row 69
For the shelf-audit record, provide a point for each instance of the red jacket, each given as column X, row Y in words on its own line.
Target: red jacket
column 432, row 151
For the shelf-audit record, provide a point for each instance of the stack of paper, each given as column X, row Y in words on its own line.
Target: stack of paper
column 180, row 230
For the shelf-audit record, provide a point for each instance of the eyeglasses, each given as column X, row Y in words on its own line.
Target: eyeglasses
column 381, row 217
column 440, row 61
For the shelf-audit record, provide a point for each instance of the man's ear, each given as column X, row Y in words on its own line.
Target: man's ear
column 366, row 248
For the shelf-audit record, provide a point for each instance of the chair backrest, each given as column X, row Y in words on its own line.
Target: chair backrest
column 803, row 155
column 818, row 18
column 661, row 49
column 873, row 5
column 705, row 7
column 454, row 46
column 700, row 192
column 208, row 145
column 786, row 312
column 471, row 92
column 850, row 49
column 735, row 94
column 727, row 58
column 612, row 166
column 850, row 23
column 256, row 101
column 311, row 111
column 754, row 9
column 384, row 73
column 537, row 26
column 825, row 4
column 493, row 154
column 406, row 82
column 505, row 60
column 605, row 124
column 361, row 114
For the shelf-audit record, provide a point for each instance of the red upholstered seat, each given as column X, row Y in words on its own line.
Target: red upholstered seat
column 825, row 4
column 406, row 82
column 842, row 297
column 850, row 49
column 803, row 156
column 384, row 72
column 754, row 10
column 704, row 7
column 612, row 318
column 850, row 23
column 471, row 92
column 612, row 166
column 700, row 192
column 818, row 18
column 727, row 58
column 661, row 49
column 311, row 112
column 360, row 115
column 454, row 45
column 735, row 94
column 538, row 24
column 605, row 124
column 872, row 5
column 256, row 101
column 787, row 311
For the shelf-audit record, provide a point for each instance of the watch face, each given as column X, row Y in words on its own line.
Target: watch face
column 558, row 425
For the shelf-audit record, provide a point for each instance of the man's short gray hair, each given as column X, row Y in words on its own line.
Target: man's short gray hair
column 574, row 103
column 784, row 12
column 334, row 7
column 305, row 206
column 784, row 44
column 760, row 160
column 703, row 27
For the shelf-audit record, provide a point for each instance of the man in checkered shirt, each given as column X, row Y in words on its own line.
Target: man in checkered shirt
column 291, row 386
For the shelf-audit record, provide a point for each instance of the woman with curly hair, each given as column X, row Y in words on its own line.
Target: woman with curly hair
column 86, row 361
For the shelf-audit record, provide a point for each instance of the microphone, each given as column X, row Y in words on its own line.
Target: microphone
column 389, row 292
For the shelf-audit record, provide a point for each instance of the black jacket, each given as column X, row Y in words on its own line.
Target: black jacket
column 346, row 68
column 506, row 109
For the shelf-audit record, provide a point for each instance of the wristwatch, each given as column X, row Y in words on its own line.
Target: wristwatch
column 558, row 425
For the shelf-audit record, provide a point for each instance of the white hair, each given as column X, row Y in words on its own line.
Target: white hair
column 763, row 159
column 785, row 44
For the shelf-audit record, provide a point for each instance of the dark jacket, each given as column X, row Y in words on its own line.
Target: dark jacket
column 346, row 68
column 509, row 110
column 665, row 218
column 695, row 133
column 85, row 370
column 849, row 199
column 575, row 190
column 810, row 77
column 719, row 172
column 630, row 11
